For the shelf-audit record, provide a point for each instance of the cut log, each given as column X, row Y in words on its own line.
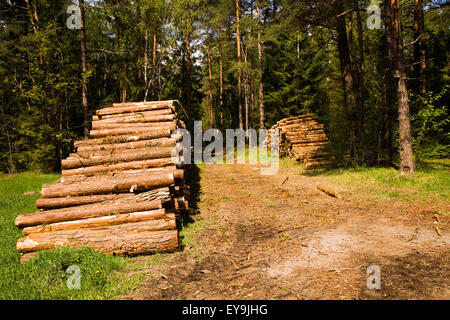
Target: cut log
column 159, row 218
column 85, row 212
column 131, row 131
column 125, row 239
column 162, row 142
column 159, row 112
column 135, row 155
column 328, row 191
column 162, row 194
column 138, row 119
column 128, row 108
column 133, row 165
column 148, row 135
column 108, row 184
column 98, row 125
column 55, row 203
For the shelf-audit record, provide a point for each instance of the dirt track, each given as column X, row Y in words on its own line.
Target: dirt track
column 265, row 239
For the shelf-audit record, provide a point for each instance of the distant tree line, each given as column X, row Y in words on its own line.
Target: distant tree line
column 375, row 72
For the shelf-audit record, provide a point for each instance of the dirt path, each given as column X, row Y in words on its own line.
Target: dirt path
column 260, row 238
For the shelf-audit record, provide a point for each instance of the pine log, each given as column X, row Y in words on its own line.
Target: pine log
column 110, row 147
column 133, row 125
column 159, row 218
column 148, row 135
column 162, row 194
column 56, row 203
column 132, row 165
column 136, row 114
column 85, row 212
column 131, row 131
column 328, row 191
column 125, row 239
column 308, row 141
column 108, row 184
column 138, row 119
column 135, row 155
column 136, row 107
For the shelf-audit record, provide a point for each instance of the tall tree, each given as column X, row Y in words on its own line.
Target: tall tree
column 84, row 100
column 260, row 65
column 407, row 165
column 238, row 50
column 419, row 47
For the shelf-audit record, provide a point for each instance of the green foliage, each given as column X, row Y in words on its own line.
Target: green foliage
column 431, row 123
column 40, row 73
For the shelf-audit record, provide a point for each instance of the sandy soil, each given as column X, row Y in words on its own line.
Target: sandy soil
column 265, row 237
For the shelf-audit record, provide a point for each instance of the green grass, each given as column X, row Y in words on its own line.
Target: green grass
column 431, row 182
column 44, row 277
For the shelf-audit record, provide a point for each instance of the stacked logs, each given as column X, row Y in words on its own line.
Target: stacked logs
column 120, row 192
column 303, row 139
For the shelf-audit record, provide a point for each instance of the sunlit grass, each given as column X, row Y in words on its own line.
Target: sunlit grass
column 431, row 181
column 44, row 277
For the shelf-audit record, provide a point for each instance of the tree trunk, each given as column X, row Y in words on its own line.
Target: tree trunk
column 221, row 79
column 346, row 70
column 84, row 101
column 188, row 79
column 419, row 48
column 210, row 89
column 238, row 50
column 260, row 64
column 407, row 165
column 360, row 98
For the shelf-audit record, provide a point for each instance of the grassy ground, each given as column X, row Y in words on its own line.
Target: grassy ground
column 104, row 277
column 430, row 183
column 45, row 276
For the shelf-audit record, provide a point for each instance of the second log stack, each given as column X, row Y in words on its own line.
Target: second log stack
column 304, row 139
column 120, row 192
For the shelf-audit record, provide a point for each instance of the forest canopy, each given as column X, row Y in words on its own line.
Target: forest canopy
column 376, row 73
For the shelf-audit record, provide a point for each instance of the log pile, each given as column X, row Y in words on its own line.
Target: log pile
column 303, row 139
column 121, row 192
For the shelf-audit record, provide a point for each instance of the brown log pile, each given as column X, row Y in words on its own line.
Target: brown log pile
column 304, row 139
column 121, row 191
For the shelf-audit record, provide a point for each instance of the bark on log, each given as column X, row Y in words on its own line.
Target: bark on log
column 85, row 212
column 159, row 218
column 135, row 155
column 162, row 142
column 126, row 239
column 138, row 119
column 108, row 184
column 56, row 203
column 136, row 114
column 133, row 165
column 131, row 131
column 134, row 125
column 162, row 194
column 328, row 191
column 148, row 135
column 137, row 107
